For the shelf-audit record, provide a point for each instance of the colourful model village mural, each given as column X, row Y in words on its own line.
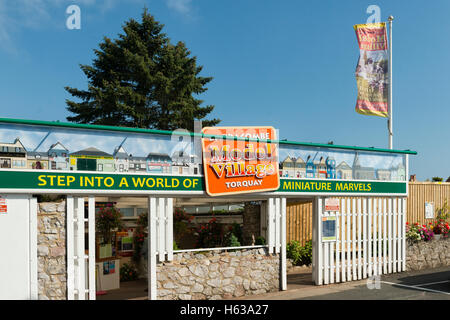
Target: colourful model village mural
column 53, row 148
column 306, row 163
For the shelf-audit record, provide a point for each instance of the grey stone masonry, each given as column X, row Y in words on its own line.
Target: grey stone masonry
column 51, row 250
column 218, row 275
column 428, row 254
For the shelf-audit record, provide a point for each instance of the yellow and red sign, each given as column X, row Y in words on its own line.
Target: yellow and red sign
column 233, row 166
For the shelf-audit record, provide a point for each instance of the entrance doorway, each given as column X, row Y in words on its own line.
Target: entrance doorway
column 299, row 219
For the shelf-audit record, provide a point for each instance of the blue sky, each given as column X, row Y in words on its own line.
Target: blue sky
column 288, row 64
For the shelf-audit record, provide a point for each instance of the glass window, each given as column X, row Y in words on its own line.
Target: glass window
column 127, row 212
column 100, row 167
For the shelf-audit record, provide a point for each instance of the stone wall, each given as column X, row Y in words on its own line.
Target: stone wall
column 218, row 275
column 51, row 247
column 428, row 254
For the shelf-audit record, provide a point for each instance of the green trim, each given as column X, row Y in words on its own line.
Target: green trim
column 165, row 132
column 55, row 180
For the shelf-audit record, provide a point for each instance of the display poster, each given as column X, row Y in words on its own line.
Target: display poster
column 3, row 206
column 372, row 70
column 329, row 228
column 233, row 166
column 429, row 210
column 332, row 204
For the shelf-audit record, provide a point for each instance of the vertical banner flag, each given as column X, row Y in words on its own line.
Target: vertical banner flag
column 372, row 70
column 240, row 166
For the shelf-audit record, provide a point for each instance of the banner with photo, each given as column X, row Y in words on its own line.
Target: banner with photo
column 372, row 70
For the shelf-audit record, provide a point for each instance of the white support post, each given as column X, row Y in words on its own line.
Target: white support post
column 317, row 244
column 277, row 225
column 380, row 236
column 160, row 234
column 70, row 248
column 394, row 234
column 283, row 245
column 359, row 213
column 390, row 235
column 91, row 236
column 33, row 249
column 270, row 226
column 151, row 262
column 404, row 235
column 349, row 258
column 81, row 285
column 366, row 234
column 169, row 228
column 385, row 236
column 354, row 276
column 343, row 261
column 400, row 224
column 338, row 241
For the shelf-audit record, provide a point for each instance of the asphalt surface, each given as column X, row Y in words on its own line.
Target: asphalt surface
column 431, row 284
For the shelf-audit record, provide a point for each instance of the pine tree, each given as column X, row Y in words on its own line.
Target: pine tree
column 142, row 80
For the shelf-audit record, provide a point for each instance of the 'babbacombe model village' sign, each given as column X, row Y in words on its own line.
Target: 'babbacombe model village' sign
column 236, row 166
column 42, row 156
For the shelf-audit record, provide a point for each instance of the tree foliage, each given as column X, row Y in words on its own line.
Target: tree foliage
column 142, row 80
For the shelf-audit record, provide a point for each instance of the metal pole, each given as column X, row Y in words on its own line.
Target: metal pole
column 391, row 133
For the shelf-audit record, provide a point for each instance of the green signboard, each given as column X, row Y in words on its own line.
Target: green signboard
column 67, row 181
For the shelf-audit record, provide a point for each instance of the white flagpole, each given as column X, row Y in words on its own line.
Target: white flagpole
column 391, row 133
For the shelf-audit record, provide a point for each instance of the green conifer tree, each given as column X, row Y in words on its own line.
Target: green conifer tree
column 142, row 80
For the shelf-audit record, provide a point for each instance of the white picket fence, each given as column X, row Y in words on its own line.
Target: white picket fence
column 370, row 239
column 80, row 267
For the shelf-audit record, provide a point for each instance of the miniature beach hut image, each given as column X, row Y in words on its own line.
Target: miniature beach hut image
column 331, row 168
column 322, row 169
column 310, row 167
column 91, row 159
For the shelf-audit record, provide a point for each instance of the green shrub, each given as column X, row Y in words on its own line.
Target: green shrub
column 233, row 241
column 260, row 241
column 299, row 255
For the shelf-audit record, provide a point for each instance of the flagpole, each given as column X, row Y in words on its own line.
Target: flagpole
column 391, row 133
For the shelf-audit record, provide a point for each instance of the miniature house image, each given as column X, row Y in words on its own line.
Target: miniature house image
column 300, row 168
column 58, row 157
column 137, row 164
column 37, row 160
column 383, row 174
column 159, row 163
column 322, row 169
column 91, row 159
column 344, row 171
column 13, row 155
column 360, row 172
column 121, row 159
column 398, row 173
column 331, row 168
column 287, row 167
column 183, row 163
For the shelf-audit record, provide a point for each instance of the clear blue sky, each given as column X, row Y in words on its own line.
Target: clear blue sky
column 289, row 64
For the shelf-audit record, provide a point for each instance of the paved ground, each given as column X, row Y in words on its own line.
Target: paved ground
column 431, row 284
